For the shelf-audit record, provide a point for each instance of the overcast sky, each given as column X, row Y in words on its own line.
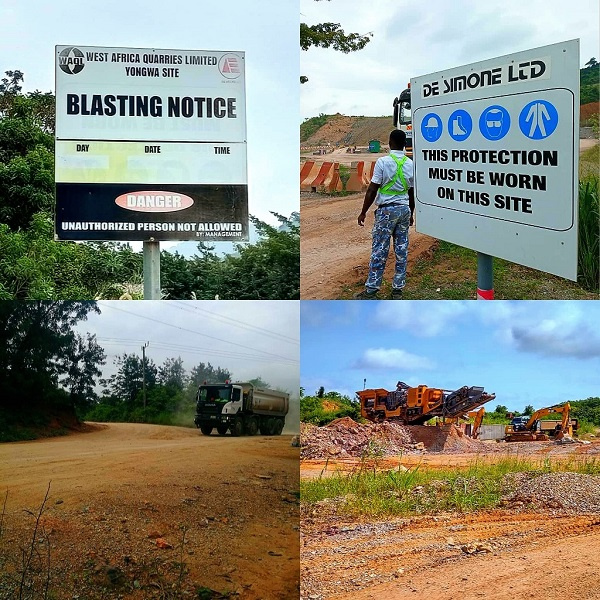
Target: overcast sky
column 529, row 352
column 413, row 38
column 249, row 338
column 267, row 31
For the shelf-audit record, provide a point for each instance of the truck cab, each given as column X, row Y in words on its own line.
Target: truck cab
column 403, row 118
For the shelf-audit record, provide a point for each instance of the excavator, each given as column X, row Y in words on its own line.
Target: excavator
column 478, row 420
column 403, row 118
column 416, row 405
column 518, row 431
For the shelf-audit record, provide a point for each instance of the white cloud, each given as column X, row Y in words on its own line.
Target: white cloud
column 393, row 358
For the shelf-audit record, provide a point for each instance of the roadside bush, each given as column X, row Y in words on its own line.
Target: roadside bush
column 589, row 234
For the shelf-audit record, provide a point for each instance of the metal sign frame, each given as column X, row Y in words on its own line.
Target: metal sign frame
column 150, row 144
column 496, row 152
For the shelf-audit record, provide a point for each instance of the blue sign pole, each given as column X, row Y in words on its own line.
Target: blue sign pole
column 485, row 277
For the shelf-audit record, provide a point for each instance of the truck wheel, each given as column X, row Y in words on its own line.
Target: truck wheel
column 237, row 428
column 271, row 426
column 251, row 426
column 264, row 429
column 278, row 428
column 206, row 428
column 222, row 429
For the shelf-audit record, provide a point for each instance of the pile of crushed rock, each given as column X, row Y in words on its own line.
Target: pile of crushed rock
column 345, row 438
column 575, row 492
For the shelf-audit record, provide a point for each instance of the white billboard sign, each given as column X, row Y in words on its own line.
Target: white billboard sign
column 496, row 152
column 149, row 124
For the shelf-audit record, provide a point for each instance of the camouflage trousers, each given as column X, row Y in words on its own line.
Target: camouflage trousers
column 390, row 222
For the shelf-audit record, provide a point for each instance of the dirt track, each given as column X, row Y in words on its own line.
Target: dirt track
column 546, row 553
column 335, row 250
column 116, row 490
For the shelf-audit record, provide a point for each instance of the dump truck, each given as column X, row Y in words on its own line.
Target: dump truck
column 527, row 429
column 403, row 118
column 241, row 408
column 416, row 405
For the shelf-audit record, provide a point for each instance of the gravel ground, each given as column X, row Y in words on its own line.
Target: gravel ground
column 572, row 492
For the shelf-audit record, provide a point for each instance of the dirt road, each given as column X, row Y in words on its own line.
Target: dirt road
column 121, row 492
column 335, row 250
column 528, row 555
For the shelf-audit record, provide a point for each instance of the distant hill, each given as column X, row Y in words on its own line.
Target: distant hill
column 340, row 130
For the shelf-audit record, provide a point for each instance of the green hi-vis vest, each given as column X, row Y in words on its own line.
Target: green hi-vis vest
column 399, row 175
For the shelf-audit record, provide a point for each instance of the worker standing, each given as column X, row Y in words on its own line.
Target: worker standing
column 391, row 189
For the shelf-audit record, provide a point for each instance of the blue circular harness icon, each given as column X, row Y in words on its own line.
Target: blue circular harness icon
column 538, row 119
column 494, row 122
column 460, row 125
column 431, row 127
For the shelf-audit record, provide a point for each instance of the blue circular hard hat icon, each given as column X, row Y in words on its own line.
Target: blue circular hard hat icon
column 431, row 127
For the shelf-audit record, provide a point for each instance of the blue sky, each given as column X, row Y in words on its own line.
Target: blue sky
column 526, row 352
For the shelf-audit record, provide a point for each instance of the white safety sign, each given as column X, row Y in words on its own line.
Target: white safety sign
column 150, row 144
column 496, row 151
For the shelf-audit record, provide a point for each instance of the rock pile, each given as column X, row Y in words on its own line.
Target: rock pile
column 344, row 438
column 564, row 491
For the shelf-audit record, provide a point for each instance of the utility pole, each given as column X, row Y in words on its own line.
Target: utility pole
column 144, row 375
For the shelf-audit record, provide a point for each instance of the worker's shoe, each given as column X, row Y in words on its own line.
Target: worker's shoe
column 396, row 294
column 366, row 295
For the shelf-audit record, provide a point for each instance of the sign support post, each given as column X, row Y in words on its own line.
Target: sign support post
column 151, row 270
column 485, row 276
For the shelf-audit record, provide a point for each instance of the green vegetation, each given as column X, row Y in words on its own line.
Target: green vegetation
column 476, row 487
column 47, row 368
column 330, row 35
column 312, row 125
column 322, row 408
column 35, row 266
column 589, row 81
column 169, row 398
column 588, row 265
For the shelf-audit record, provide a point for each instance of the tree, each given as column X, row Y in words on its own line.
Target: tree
column 330, row 35
column 528, row 410
column 206, row 372
column 591, row 63
column 259, row 382
column 127, row 383
column 44, row 363
column 172, row 375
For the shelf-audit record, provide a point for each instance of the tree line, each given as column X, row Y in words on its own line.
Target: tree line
column 48, row 369
column 34, row 266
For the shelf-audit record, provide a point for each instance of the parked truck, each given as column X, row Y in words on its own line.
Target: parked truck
column 240, row 408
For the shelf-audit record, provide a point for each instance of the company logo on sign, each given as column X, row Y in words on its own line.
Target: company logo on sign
column 230, row 66
column 71, row 60
column 154, row 201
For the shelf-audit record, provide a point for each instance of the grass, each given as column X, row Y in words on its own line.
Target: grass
column 404, row 493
